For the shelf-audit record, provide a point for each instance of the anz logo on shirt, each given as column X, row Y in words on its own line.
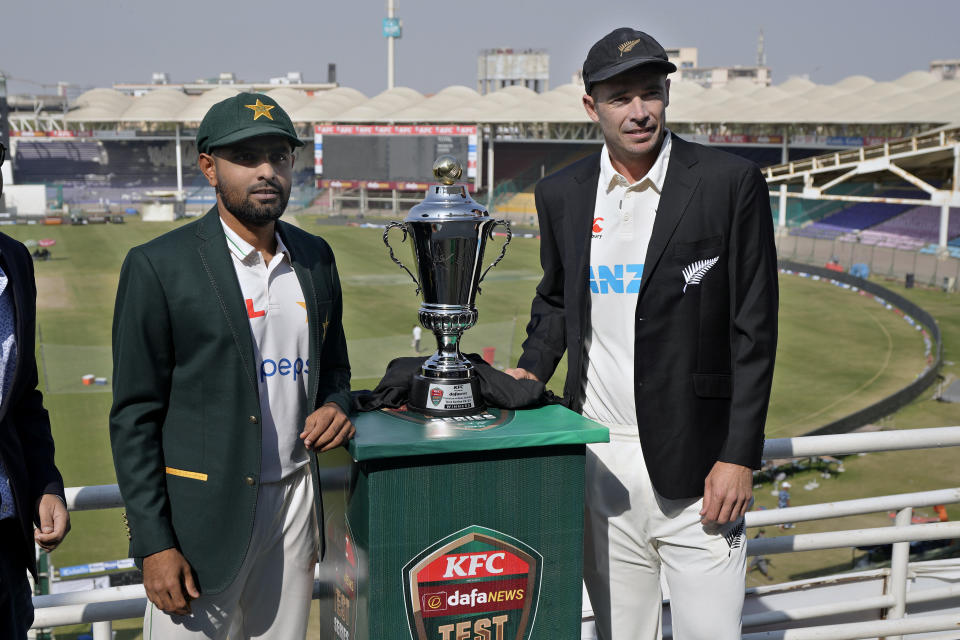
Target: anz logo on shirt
column 617, row 278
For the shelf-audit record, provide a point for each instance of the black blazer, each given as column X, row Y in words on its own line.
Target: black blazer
column 26, row 445
column 704, row 357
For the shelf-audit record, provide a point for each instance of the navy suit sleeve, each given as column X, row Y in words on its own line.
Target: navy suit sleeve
column 754, row 301
column 29, row 417
column 546, row 332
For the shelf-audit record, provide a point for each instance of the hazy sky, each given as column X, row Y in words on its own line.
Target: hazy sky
column 99, row 42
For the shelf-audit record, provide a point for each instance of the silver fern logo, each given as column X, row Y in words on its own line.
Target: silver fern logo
column 627, row 46
column 694, row 272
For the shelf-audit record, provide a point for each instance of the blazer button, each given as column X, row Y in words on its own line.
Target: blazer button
column 250, row 480
column 253, row 420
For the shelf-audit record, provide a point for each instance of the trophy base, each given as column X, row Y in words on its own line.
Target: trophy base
column 445, row 397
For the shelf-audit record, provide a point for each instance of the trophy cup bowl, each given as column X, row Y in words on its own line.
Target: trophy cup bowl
column 448, row 231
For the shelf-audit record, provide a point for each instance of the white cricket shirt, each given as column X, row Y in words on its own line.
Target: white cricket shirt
column 278, row 322
column 622, row 223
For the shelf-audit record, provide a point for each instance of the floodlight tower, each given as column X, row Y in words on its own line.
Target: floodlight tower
column 392, row 30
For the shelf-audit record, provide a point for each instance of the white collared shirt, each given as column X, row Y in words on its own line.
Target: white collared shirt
column 275, row 306
column 622, row 223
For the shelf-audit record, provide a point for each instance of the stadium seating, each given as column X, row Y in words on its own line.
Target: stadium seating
column 864, row 215
column 884, row 239
column 922, row 223
column 872, row 223
column 801, row 212
column 933, row 249
column 104, row 172
column 819, row 230
column 518, row 203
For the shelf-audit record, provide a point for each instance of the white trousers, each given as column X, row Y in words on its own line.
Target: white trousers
column 270, row 597
column 632, row 534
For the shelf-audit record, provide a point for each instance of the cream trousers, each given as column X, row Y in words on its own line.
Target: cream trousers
column 634, row 538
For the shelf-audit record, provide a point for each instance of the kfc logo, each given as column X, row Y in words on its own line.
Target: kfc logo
column 476, row 583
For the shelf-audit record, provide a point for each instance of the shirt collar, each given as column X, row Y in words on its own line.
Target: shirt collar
column 243, row 250
column 610, row 178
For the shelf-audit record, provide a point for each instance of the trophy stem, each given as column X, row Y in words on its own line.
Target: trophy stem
column 448, row 358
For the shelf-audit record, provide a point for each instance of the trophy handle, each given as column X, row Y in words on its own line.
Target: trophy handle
column 386, row 241
column 503, row 249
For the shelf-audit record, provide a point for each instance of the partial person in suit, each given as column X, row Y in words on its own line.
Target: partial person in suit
column 230, row 375
column 660, row 283
column 32, row 505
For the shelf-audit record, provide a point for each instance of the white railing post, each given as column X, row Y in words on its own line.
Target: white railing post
column 103, row 630
column 899, row 560
column 99, row 606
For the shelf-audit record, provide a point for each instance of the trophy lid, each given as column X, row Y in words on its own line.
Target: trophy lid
column 447, row 200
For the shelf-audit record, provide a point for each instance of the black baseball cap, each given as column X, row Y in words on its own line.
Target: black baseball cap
column 621, row 50
column 245, row 115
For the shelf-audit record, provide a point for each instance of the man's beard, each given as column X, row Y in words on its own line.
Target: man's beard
column 249, row 212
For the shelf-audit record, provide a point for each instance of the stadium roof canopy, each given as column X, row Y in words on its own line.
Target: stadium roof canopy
column 917, row 97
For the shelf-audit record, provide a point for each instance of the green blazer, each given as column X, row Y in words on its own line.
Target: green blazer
column 185, row 421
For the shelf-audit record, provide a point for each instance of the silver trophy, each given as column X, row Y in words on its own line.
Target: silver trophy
column 449, row 231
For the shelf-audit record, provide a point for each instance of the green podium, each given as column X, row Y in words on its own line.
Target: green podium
column 458, row 529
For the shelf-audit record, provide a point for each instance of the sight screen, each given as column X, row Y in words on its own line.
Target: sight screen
column 390, row 157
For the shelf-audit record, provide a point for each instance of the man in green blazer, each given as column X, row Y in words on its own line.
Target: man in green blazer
column 230, row 374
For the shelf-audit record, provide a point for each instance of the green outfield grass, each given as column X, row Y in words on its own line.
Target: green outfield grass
column 838, row 352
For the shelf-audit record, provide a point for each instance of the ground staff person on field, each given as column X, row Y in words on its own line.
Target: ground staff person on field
column 32, row 507
column 660, row 283
column 230, row 374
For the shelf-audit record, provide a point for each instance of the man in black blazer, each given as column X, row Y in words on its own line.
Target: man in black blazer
column 660, row 283
column 32, row 505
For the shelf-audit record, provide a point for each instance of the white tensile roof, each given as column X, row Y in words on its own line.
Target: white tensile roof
column 917, row 97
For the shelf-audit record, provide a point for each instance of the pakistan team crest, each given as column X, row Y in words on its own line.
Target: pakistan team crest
column 475, row 583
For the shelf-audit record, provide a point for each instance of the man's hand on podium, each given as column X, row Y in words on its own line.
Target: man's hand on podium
column 521, row 374
column 326, row 428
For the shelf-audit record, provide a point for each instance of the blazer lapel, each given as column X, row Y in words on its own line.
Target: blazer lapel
column 581, row 205
column 316, row 326
column 223, row 279
column 678, row 185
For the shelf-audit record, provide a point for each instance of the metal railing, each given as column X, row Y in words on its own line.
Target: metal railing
column 852, row 157
column 103, row 605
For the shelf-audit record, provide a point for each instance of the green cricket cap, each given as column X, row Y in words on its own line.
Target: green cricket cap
column 245, row 115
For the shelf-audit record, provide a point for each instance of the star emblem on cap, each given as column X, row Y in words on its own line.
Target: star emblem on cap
column 260, row 109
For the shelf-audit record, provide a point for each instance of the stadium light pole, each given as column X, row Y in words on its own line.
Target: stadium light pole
column 179, row 167
column 391, row 31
